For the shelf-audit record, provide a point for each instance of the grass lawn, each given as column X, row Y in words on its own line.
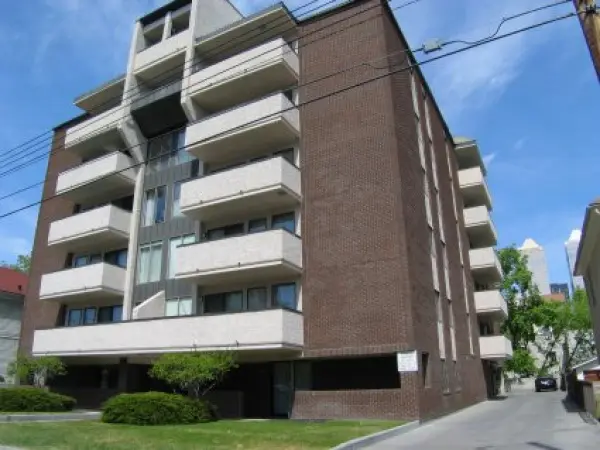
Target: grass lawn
column 225, row 434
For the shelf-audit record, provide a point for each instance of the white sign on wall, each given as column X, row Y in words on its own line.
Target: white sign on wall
column 407, row 361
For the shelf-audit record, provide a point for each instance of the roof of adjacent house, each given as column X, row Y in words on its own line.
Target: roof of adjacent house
column 13, row 281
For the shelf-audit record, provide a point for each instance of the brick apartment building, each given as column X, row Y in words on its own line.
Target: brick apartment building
column 251, row 184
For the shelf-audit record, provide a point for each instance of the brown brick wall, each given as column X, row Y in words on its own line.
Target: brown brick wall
column 44, row 259
column 356, row 293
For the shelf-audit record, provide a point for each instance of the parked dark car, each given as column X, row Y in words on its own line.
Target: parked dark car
column 545, row 384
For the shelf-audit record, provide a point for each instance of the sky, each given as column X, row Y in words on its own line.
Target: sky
column 530, row 101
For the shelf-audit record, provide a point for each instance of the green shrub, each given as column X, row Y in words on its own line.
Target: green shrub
column 32, row 399
column 156, row 408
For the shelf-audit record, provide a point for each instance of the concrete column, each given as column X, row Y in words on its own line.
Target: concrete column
column 123, row 375
column 168, row 26
column 132, row 249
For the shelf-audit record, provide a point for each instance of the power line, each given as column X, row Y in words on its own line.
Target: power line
column 43, row 155
column 376, row 78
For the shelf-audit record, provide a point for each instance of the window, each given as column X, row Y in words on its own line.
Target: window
column 181, row 306
column 445, row 379
column 446, row 271
column 470, row 331
column 256, row 225
column 167, row 150
column 154, row 206
column 421, row 143
column 225, row 302
column 285, row 221
column 74, row 317
column 173, row 244
column 86, row 260
column 440, row 325
column 452, row 329
column 413, row 88
column 427, row 200
column 287, row 154
column 89, row 316
column 176, row 196
column 284, row 295
column 109, row 314
column 150, row 262
column 425, row 369
column 117, row 258
column 427, row 118
column 257, row 299
column 228, row 231
column 457, row 377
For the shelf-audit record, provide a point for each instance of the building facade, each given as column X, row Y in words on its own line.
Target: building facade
column 560, row 289
column 250, row 184
column 587, row 264
column 13, row 285
column 571, row 246
column 537, row 264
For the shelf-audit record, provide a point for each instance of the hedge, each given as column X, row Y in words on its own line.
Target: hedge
column 156, row 408
column 32, row 399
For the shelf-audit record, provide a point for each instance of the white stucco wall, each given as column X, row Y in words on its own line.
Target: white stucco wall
column 490, row 301
column 108, row 120
column 495, row 347
column 95, row 277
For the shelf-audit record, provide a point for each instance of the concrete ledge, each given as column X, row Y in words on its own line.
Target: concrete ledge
column 365, row 441
column 50, row 417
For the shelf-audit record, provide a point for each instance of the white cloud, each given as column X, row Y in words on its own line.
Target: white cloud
column 487, row 159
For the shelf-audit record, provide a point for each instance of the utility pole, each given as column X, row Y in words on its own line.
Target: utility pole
column 589, row 16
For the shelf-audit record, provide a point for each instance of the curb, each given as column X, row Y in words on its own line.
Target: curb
column 8, row 418
column 365, row 441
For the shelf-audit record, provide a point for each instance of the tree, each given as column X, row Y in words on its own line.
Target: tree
column 196, row 372
column 521, row 362
column 522, row 298
column 37, row 370
column 580, row 326
column 23, row 264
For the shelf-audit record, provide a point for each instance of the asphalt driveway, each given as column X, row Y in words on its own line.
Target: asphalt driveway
column 525, row 420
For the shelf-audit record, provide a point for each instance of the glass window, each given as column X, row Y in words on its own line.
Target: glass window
column 285, row 221
column 105, row 314
column 79, row 261
column 178, row 307
column 228, row 231
column 185, row 306
column 96, row 258
column 287, row 154
column 117, row 258
column 154, row 206
column 257, row 225
column 158, row 154
column 176, row 197
column 150, row 262
column 226, row 302
column 74, row 317
column 181, row 155
column 171, row 308
column 89, row 315
column 285, row 295
column 117, row 313
column 257, row 299
column 173, row 244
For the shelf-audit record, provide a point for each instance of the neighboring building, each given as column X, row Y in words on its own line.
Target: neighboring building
column 486, row 271
column 571, row 246
column 311, row 223
column 555, row 297
column 560, row 288
column 587, row 264
column 536, row 262
column 13, row 285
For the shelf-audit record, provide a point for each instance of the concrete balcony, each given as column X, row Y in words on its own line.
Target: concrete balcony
column 495, row 348
column 270, row 184
column 97, row 229
column 474, row 188
column 96, row 133
column 93, row 282
column 481, row 229
column 100, row 179
column 468, row 154
column 491, row 303
column 277, row 330
column 485, row 265
column 269, row 123
column 264, row 255
column 251, row 74
column 165, row 57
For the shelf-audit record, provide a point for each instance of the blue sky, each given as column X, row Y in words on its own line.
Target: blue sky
column 531, row 101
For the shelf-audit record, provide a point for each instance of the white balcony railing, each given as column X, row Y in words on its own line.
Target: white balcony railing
column 266, row 254
column 474, row 187
column 491, row 302
column 93, row 129
column 99, row 280
column 481, row 229
column 250, row 74
column 271, row 330
column 485, row 265
column 98, row 228
column 269, row 123
column 162, row 53
column 274, row 183
column 495, row 348
column 113, row 171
